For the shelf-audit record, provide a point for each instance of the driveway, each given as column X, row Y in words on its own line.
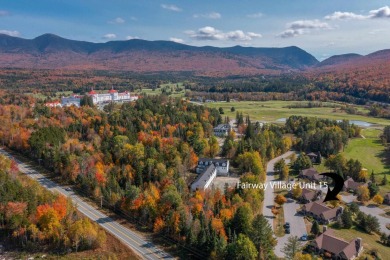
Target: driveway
column 375, row 211
column 297, row 224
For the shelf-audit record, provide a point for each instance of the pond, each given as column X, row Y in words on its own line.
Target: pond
column 358, row 123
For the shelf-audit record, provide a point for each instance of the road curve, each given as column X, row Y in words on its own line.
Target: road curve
column 143, row 247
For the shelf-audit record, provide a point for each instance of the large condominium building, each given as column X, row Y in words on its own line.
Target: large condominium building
column 111, row 96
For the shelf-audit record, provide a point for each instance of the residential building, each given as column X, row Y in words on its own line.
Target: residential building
column 336, row 248
column 73, row 100
column 205, row 179
column 311, row 174
column 222, row 165
column 352, row 186
column 222, row 130
column 309, row 195
column 320, row 212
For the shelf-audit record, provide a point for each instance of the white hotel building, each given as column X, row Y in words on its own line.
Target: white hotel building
column 111, row 96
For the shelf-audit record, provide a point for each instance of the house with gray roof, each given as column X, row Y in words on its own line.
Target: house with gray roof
column 320, row 212
column 222, row 165
column 336, row 248
column 205, row 179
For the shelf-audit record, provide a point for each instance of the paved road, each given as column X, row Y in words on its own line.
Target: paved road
column 372, row 210
column 297, row 224
column 143, row 247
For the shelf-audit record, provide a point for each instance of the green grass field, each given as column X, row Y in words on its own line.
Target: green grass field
column 58, row 94
column 369, row 151
column 271, row 111
column 169, row 88
column 369, row 241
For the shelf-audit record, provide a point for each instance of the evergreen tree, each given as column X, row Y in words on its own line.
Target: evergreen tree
column 242, row 249
column 249, row 133
column 292, row 247
column 262, row 236
column 315, row 228
column 346, row 219
column 373, row 188
column 372, row 177
column 384, row 180
column 242, row 220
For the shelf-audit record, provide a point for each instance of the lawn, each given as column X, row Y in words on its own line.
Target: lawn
column 371, row 153
column 272, row 111
column 170, row 88
column 369, row 241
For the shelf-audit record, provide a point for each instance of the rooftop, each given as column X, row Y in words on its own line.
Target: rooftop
column 335, row 245
column 205, row 176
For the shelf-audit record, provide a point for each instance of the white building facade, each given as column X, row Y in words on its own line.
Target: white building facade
column 111, row 96
column 97, row 98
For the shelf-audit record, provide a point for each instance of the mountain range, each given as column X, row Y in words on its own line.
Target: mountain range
column 50, row 51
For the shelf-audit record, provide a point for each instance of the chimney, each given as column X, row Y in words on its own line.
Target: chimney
column 324, row 229
column 358, row 245
column 340, row 210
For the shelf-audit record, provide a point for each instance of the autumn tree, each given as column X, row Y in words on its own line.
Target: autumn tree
column 378, row 199
column 280, row 199
column 363, row 193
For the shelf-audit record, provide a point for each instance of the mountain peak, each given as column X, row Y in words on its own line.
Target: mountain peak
column 52, row 51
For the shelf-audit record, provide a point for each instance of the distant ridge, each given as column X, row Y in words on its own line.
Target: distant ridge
column 338, row 59
column 50, row 51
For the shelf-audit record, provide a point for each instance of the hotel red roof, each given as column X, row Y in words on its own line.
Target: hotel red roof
column 92, row 92
column 112, row 90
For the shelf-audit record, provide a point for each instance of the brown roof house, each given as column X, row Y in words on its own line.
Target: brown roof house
column 309, row 195
column 320, row 212
column 310, row 174
column 328, row 244
column 387, row 198
column 351, row 185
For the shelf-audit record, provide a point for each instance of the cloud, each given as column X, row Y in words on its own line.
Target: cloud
column 3, row 13
column 171, row 7
column 211, row 34
column 10, row 33
column 289, row 33
column 256, row 15
column 117, row 20
column 308, row 24
column 133, row 18
column 212, row 15
column 383, row 12
column 109, row 36
column 178, row 40
column 303, row 27
column 345, row 16
column 131, row 37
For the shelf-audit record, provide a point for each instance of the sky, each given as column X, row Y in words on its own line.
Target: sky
column 322, row 28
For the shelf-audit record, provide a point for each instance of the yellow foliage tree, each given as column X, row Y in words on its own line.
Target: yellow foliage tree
column 378, row 199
